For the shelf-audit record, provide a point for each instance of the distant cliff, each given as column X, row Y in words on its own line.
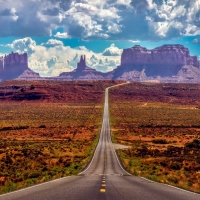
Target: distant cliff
column 168, row 63
column 14, row 65
column 166, row 60
column 1, row 68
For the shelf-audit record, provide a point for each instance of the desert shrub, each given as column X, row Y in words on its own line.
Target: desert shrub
column 34, row 175
column 143, row 150
column 8, row 160
column 173, row 180
column 42, row 126
column 153, row 177
column 194, row 144
column 160, row 141
column 31, row 181
column 175, row 166
column 10, row 186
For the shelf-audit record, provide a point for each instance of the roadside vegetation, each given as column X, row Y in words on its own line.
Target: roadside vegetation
column 48, row 129
column 161, row 123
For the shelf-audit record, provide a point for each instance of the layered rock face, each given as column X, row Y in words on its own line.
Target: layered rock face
column 1, row 67
column 168, row 63
column 166, row 60
column 14, row 65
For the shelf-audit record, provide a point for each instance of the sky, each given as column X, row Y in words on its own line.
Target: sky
column 54, row 33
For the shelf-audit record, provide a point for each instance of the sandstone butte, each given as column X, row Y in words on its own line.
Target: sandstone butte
column 15, row 65
column 167, row 63
column 166, row 60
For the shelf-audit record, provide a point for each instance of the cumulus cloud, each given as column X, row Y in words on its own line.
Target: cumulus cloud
column 55, row 58
column 62, row 35
column 25, row 45
column 53, row 43
column 112, row 51
column 52, row 62
column 105, row 19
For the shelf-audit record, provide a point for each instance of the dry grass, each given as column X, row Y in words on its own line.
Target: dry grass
column 158, row 120
column 48, row 129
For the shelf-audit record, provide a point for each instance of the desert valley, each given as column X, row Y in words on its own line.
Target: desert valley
column 49, row 127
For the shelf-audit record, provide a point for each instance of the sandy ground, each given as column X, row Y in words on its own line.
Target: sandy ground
column 121, row 146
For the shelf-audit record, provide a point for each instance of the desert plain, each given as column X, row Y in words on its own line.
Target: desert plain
column 49, row 129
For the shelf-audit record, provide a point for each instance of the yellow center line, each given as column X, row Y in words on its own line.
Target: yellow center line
column 102, row 190
column 103, row 185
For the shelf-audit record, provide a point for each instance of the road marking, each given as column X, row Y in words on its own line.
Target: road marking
column 169, row 186
column 103, row 185
column 38, row 185
column 107, row 91
column 102, row 127
column 102, row 190
column 103, row 181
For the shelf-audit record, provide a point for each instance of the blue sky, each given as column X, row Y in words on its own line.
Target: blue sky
column 55, row 33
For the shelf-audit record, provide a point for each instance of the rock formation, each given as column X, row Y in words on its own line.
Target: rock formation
column 166, row 60
column 168, row 63
column 1, row 68
column 29, row 74
column 83, row 72
column 14, row 65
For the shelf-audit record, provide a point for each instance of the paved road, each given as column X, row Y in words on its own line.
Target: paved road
column 104, row 178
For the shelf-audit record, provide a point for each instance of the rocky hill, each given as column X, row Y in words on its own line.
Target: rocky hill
column 14, row 66
column 168, row 63
column 164, row 60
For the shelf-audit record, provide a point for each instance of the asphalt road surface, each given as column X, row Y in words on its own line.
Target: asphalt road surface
column 104, row 178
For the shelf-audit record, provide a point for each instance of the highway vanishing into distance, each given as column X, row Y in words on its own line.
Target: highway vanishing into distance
column 104, row 178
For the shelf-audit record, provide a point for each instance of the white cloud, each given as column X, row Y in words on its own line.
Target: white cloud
column 114, row 28
column 134, row 41
column 62, row 35
column 23, row 45
column 124, row 2
column 53, row 43
column 101, row 19
column 55, row 58
column 112, row 51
